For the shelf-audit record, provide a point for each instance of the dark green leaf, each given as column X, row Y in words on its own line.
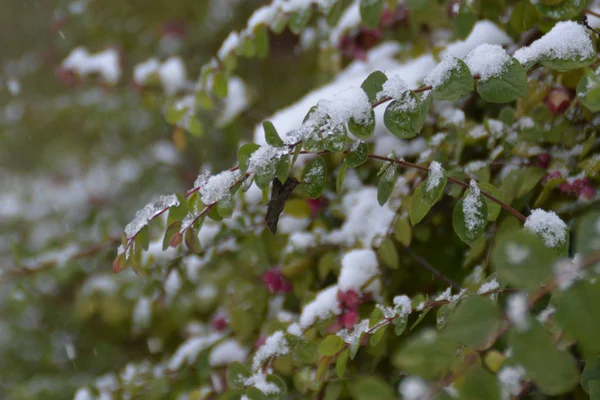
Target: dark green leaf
column 314, row 177
column 237, row 373
column 220, row 85
column 522, row 259
column 470, row 216
column 509, row 86
column 357, row 156
column 463, row 24
column 551, row 369
column 370, row 12
column 420, row 205
column 339, row 182
column 457, row 82
column 340, row 363
column 386, row 184
column 428, row 355
column 564, row 9
column 474, row 322
column 371, row 388
column 299, row 19
column 493, row 207
column 271, row 135
column 244, row 153
column 403, row 117
column 588, row 91
column 363, row 129
column 373, row 85
column 331, row 345
column 191, row 241
column 479, row 384
column 435, row 183
column 388, row 253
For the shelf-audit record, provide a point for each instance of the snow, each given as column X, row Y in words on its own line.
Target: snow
column 142, row 313
column 349, row 19
column 349, row 103
column 299, row 241
column 365, row 218
column 294, row 329
column 566, row 272
column 567, row 40
column 226, row 352
column 259, row 381
column 510, row 378
column 441, row 73
column 483, row 32
column 403, row 305
column 13, row 86
column 445, row 295
column 189, row 350
column 142, row 71
column 434, row 178
column 172, row 75
column 151, row 210
column 172, row 284
column 275, row 345
column 548, row 226
column 229, row 45
column 216, row 187
column 236, row 101
column 394, row 88
column 488, row 286
column 358, row 268
column 83, row 394
column 414, row 388
column 105, row 63
column 471, row 207
column 487, row 61
column 324, row 305
column 353, row 337
column 517, row 311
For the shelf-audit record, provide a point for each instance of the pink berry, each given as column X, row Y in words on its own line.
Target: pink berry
column 588, row 192
column 276, row 282
column 543, row 160
column 558, row 100
column 349, row 318
column 349, row 299
column 219, row 323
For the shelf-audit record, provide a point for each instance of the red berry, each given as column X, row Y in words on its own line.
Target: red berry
column 587, row 192
column 260, row 341
column 219, row 323
column 349, row 299
column 543, row 160
column 348, row 319
column 558, row 100
column 276, row 282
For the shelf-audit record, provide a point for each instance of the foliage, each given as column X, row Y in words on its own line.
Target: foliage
column 430, row 214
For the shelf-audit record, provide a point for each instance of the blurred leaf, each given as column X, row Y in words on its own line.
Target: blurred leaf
column 314, row 177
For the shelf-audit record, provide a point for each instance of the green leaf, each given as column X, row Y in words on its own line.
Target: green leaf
column 441, row 317
column 371, row 388
column 457, row 82
column 253, row 393
column 370, row 12
column 280, row 383
column 336, row 141
column 339, row 181
column 283, row 168
column 474, row 322
column 386, row 184
column 403, row 231
column 172, row 236
column 523, row 16
column 195, row 127
column 236, row 374
column 142, row 239
column 428, row 355
column 493, row 207
column 588, row 91
column 400, row 324
column 509, row 86
column 463, row 24
column 588, row 234
column 435, row 183
column 565, row 9
column 420, row 319
column 388, row 253
column 299, row 19
column 331, row 345
column 531, row 177
column 120, row 263
column 420, row 205
column 578, row 313
column 314, row 177
column 244, row 153
column 340, row 363
column 335, row 12
column 333, row 390
column 261, row 41
column 377, row 336
column 175, row 113
column 403, row 117
column 363, row 129
column 470, row 225
column 191, row 241
column 271, row 135
column 522, row 260
column 591, row 373
column 225, row 207
column 479, row 384
column 178, row 212
column 417, row 5
column 373, row 85
column 220, row 85
column 552, row 370
column 357, row 156
column 265, row 173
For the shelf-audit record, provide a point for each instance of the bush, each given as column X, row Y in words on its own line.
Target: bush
column 423, row 225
